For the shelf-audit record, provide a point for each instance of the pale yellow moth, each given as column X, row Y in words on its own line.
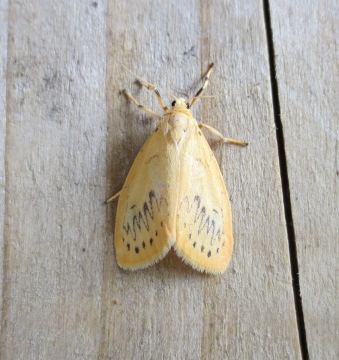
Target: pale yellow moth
column 174, row 195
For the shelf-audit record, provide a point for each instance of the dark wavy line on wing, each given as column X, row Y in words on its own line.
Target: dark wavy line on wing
column 203, row 220
column 142, row 217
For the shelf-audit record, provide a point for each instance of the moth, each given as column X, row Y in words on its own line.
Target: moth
column 174, row 194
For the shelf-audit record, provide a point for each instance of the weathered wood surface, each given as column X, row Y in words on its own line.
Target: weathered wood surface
column 55, row 181
column 3, row 67
column 306, row 43
column 67, row 144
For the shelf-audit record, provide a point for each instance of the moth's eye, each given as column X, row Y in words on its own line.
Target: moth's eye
column 173, row 103
column 187, row 105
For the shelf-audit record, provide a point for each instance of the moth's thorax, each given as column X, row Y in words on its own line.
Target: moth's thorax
column 177, row 122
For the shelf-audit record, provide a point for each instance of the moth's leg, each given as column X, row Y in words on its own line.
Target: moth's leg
column 156, row 92
column 141, row 106
column 113, row 197
column 226, row 140
column 204, row 86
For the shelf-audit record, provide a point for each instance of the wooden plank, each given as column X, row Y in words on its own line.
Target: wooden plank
column 3, row 88
column 170, row 311
column 55, row 157
column 305, row 37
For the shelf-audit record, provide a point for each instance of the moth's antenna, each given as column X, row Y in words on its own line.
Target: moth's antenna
column 219, row 95
column 202, row 89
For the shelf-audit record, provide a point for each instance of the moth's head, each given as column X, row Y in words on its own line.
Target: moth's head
column 180, row 102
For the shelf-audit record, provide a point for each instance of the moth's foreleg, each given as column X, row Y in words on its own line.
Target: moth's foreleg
column 141, row 106
column 156, row 92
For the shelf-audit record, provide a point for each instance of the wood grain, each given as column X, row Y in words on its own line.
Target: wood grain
column 55, row 178
column 3, row 82
column 306, row 42
column 69, row 140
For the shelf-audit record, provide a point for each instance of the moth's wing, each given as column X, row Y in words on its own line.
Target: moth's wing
column 145, row 222
column 204, row 220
